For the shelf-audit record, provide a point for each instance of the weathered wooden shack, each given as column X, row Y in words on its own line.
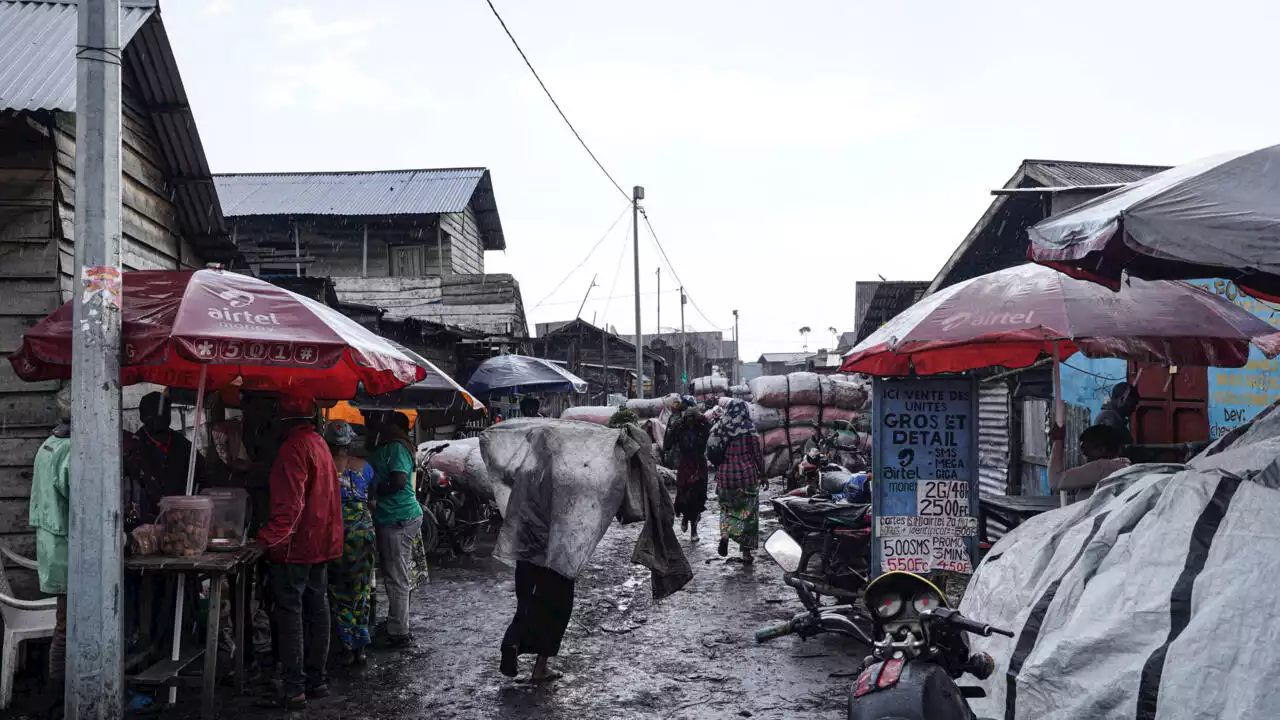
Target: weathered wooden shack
column 408, row 242
column 171, row 215
column 581, row 346
column 380, row 224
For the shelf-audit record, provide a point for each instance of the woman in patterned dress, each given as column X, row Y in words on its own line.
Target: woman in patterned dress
column 734, row 450
column 351, row 576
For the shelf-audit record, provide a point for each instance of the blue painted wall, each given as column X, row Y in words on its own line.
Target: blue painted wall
column 1236, row 395
column 1087, row 383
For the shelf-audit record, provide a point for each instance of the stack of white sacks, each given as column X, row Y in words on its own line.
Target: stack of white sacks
column 790, row 409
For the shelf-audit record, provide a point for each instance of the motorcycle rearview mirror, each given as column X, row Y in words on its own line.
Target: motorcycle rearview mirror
column 784, row 550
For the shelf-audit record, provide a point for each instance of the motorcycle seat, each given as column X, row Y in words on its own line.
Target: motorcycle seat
column 814, row 512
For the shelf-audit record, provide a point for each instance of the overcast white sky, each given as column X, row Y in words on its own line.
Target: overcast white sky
column 787, row 148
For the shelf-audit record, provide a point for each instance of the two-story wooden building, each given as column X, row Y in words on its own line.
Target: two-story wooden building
column 410, row 243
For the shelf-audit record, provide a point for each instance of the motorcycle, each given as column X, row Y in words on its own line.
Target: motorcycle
column 835, row 538
column 452, row 516
column 922, row 651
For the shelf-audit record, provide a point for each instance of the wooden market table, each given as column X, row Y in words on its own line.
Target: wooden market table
column 235, row 566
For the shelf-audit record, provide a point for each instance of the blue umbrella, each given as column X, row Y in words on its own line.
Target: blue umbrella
column 519, row 373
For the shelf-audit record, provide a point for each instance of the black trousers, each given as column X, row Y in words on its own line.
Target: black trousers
column 302, row 624
column 544, row 604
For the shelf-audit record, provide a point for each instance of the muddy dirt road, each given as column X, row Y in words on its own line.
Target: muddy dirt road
column 691, row 656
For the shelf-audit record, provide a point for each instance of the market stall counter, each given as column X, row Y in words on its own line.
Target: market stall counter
column 235, row 566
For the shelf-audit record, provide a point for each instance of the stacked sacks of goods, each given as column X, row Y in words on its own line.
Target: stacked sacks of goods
column 789, row 410
column 596, row 414
column 653, row 414
column 710, row 387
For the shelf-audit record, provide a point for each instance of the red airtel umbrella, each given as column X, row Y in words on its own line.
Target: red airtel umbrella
column 211, row 329
column 216, row 329
column 1012, row 317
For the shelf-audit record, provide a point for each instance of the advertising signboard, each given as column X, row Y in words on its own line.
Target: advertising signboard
column 925, row 475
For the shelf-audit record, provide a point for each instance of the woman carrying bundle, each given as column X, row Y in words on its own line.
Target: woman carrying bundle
column 686, row 439
column 734, row 449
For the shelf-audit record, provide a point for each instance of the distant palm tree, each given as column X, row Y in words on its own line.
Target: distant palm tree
column 804, row 333
column 835, row 340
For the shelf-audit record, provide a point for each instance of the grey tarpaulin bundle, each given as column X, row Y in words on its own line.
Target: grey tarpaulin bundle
column 567, row 481
column 1152, row 599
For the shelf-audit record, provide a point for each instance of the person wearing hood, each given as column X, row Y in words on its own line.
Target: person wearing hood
column 397, row 519
column 687, row 436
column 734, row 449
column 302, row 536
column 1118, row 409
column 531, row 407
column 155, row 461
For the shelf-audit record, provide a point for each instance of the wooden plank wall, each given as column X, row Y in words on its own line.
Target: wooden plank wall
column 37, row 271
column 29, row 290
column 466, row 248
column 486, row 303
column 152, row 234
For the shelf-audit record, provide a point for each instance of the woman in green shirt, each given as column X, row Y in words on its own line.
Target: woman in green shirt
column 397, row 519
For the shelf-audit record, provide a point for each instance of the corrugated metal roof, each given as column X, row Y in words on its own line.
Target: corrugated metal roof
column 794, row 358
column 1059, row 173
column 38, row 56
column 391, row 192
column 365, row 194
column 38, row 73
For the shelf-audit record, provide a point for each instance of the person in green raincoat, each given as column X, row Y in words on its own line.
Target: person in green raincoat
column 49, row 515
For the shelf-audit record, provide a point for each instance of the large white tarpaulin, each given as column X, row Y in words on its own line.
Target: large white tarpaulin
column 1153, row 599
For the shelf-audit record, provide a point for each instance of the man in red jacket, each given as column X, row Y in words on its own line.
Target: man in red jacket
column 302, row 536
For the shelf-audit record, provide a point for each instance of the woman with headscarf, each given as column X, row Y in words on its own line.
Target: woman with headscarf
column 351, row 576
column 687, row 436
column 734, row 449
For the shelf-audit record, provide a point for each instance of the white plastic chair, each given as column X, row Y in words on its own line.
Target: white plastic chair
column 23, row 620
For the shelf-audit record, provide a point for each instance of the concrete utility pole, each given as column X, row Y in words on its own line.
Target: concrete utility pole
column 658, row 317
column 95, row 659
column 637, row 194
column 737, row 352
column 684, row 348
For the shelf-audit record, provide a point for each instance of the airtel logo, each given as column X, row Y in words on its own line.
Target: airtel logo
column 986, row 320
column 236, row 298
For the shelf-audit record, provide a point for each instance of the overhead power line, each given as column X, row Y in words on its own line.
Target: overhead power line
column 658, row 243
column 550, row 97
column 590, row 252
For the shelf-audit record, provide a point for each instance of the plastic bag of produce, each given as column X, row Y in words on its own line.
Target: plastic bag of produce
column 1144, row 600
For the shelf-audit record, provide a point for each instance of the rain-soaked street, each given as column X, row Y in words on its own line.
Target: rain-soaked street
column 691, row 656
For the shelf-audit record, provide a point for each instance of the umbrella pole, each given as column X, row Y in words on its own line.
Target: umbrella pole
column 191, row 480
column 1059, row 412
